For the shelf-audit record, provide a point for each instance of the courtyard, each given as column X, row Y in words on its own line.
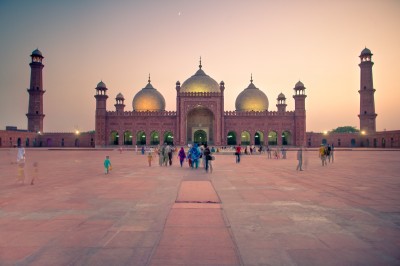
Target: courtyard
column 259, row 212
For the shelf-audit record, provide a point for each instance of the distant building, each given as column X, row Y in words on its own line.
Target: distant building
column 199, row 117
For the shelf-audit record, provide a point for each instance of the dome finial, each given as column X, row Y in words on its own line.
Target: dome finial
column 149, row 78
column 200, row 63
column 251, row 77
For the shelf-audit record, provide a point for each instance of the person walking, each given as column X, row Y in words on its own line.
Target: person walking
column 195, row 155
column 207, row 156
column 237, row 153
column 300, row 159
column 20, row 154
column 181, row 156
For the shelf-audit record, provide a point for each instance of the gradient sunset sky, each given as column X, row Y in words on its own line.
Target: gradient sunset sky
column 121, row 42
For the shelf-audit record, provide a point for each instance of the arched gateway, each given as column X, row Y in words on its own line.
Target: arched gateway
column 200, row 125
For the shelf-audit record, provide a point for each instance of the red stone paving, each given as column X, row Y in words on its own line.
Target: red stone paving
column 262, row 211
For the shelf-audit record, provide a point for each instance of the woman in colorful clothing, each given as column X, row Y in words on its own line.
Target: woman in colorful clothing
column 181, row 155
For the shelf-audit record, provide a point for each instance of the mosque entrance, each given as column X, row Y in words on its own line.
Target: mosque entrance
column 200, row 137
column 200, row 125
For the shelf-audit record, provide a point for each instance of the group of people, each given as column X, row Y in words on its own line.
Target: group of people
column 326, row 154
column 195, row 154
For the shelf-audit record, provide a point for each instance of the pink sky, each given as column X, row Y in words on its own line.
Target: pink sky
column 121, row 42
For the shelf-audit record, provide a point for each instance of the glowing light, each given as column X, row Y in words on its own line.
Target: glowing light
column 77, row 132
column 325, row 132
column 363, row 132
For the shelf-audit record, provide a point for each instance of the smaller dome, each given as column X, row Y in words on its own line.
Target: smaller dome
column 148, row 99
column 366, row 51
column 299, row 84
column 37, row 53
column 120, row 96
column 101, row 84
column 281, row 96
column 252, row 99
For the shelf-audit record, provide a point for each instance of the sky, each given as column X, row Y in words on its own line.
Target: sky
column 121, row 42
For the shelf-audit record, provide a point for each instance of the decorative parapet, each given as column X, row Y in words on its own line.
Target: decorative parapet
column 145, row 113
column 200, row 94
column 258, row 113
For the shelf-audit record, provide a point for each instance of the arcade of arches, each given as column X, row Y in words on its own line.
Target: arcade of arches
column 257, row 138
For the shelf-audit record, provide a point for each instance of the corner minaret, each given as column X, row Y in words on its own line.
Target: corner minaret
column 367, row 103
column 119, row 105
column 35, row 109
column 101, row 113
column 300, row 113
column 281, row 103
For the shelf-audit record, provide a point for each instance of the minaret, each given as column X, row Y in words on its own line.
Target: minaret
column 119, row 105
column 300, row 113
column 35, row 109
column 101, row 113
column 367, row 103
column 281, row 103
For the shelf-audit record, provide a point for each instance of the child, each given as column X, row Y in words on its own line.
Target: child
column 35, row 172
column 107, row 164
column 149, row 158
column 21, row 172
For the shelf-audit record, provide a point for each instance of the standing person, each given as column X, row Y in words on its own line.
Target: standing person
column 329, row 153
column 20, row 154
column 142, row 150
column 181, row 156
column 332, row 148
column 300, row 159
column 21, row 172
column 283, row 153
column 35, row 175
column 149, row 158
column 107, row 164
column 207, row 156
column 170, row 155
column 160, row 155
column 269, row 153
column 136, row 149
column 237, row 153
column 167, row 149
column 322, row 154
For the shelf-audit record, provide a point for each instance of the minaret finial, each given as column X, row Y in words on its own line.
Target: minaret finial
column 251, row 77
column 200, row 63
column 149, row 78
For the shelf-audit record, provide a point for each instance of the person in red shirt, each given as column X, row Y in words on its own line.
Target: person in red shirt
column 237, row 153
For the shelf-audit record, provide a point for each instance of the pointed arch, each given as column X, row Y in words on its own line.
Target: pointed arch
column 154, row 138
column 169, row 138
column 245, row 138
column 231, row 138
column 128, row 137
column 141, row 138
column 272, row 138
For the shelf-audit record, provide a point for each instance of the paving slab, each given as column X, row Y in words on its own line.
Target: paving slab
column 258, row 212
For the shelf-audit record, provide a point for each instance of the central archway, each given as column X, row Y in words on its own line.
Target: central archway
column 200, row 119
column 200, row 137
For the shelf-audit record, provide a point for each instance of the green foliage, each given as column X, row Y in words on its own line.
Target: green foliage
column 345, row 129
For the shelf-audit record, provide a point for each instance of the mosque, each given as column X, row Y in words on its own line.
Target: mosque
column 200, row 117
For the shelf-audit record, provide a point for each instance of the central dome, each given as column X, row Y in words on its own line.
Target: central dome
column 200, row 82
column 252, row 99
column 148, row 99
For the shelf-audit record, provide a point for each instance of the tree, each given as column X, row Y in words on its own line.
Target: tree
column 345, row 129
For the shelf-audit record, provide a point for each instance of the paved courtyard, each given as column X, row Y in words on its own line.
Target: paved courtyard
column 259, row 212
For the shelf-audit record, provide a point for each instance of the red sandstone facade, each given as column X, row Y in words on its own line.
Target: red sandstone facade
column 199, row 117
